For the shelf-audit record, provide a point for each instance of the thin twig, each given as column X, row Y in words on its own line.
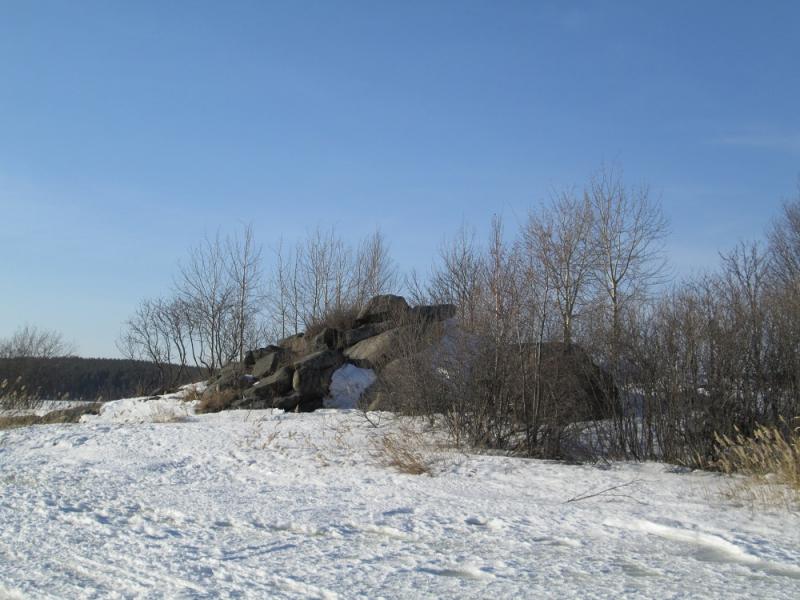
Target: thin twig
column 586, row 496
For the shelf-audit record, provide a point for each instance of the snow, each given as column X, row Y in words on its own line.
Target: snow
column 266, row 504
column 347, row 385
column 143, row 410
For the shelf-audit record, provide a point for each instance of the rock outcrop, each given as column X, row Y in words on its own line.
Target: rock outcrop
column 398, row 343
column 296, row 372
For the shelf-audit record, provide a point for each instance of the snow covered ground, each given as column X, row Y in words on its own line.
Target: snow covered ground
column 149, row 500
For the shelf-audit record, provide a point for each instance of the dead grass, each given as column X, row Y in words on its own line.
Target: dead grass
column 768, row 462
column 342, row 318
column 215, row 401
column 406, row 449
column 14, row 395
column 67, row 415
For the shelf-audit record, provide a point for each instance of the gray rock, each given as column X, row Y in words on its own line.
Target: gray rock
column 277, row 384
column 288, row 403
column 230, row 377
column 353, row 336
column 383, row 308
column 270, row 361
column 376, row 351
column 253, row 356
column 327, row 339
column 312, row 375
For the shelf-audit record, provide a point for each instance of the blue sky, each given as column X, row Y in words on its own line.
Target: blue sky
column 128, row 129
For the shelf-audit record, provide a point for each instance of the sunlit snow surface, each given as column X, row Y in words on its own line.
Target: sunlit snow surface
column 262, row 504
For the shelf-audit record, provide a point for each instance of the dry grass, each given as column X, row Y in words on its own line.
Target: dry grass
column 342, row 318
column 216, row 401
column 14, row 395
column 14, row 421
column 405, row 449
column 67, row 415
column 768, row 460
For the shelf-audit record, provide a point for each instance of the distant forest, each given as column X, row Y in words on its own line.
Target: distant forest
column 84, row 378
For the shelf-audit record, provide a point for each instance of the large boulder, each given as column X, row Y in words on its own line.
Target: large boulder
column 269, row 361
column 230, row 377
column 353, row 336
column 312, row 374
column 382, row 308
column 277, row 384
column 251, row 357
column 376, row 351
column 396, row 380
column 327, row 339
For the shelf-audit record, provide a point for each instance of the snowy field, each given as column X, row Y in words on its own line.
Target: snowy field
column 149, row 500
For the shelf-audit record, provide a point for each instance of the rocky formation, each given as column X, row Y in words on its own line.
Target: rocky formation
column 413, row 351
column 295, row 373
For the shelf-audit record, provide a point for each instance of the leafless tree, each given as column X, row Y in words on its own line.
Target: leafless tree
column 244, row 269
column 561, row 237
column 32, row 342
column 784, row 246
column 205, row 287
column 374, row 272
column 458, row 278
column 628, row 232
column 157, row 332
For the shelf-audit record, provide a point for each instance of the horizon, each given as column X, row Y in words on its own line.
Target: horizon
column 129, row 131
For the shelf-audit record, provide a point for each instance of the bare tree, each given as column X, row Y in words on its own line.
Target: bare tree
column 628, row 233
column 31, row 342
column 784, row 246
column 324, row 274
column 374, row 271
column 561, row 237
column 158, row 332
column 458, row 279
column 244, row 269
column 205, row 287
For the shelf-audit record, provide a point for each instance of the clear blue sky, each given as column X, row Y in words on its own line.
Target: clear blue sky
column 127, row 129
